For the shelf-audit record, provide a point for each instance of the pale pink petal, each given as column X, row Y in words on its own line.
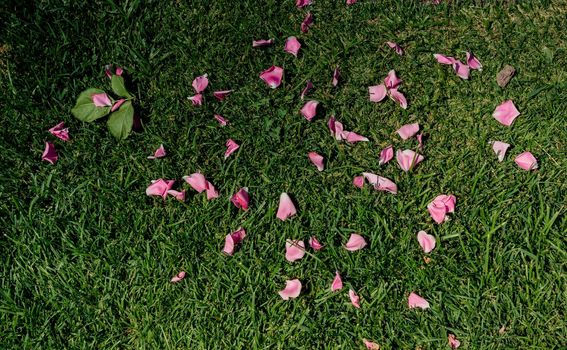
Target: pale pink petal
column 197, row 100
column 231, row 147
column 179, row 195
column 317, row 160
column 419, row 138
column 337, row 282
column 159, row 153
column 197, row 181
column 307, row 22
column 454, row 343
column 308, row 87
column 415, row 300
column 392, row 81
column 212, row 192
column 222, row 121
column 371, row 178
column 398, row 97
column 396, row 47
column 355, row 242
column 370, row 345
column 221, row 95
column 352, row 137
column 200, row 83
column 506, row 112
column 336, row 76
column 101, row 100
column 117, row 104
column 450, row 201
column 473, row 62
column 440, row 206
column 377, row 93
column 292, row 46
column 354, row 299
column 178, row 277
column 386, row 155
column 526, row 161
column 60, row 131
column 408, row 159
column 500, row 149
column 309, row 110
column 336, row 128
column 291, row 290
column 159, row 188
column 314, row 243
column 272, row 76
column 262, row 42
column 50, row 153
column 461, row 69
column 385, row 184
column 241, row 199
column 444, row 59
column 232, row 239
column 426, row 241
column 294, row 250
column 408, row 130
column 286, row 207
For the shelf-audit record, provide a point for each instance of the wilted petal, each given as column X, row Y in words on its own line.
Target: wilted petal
column 178, row 277
column 396, row 47
column 286, row 207
column 355, row 242
column 308, row 87
column 291, row 290
column 231, row 147
column 473, row 62
column 408, row 130
column 526, row 161
column 385, row 184
column 197, row 100
column 221, row 120
column 354, row 299
column 444, row 59
column 337, row 282
column 506, row 113
column 386, row 155
column 461, row 69
column 370, row 345
column 159, row 153
column 500, row 149
column 454, row 343
column 117, row 104
column 377, row 93
column 408, row 159
column 197, row 181
column 221, row 95
column 317, row 160
column 314, row 243
column 426, row 241
column 272, row 76
column 415, row 300
column 358, row 181
column 262, row 42
column 50, row 153
column 179, row 195
column 307, row 22
column 60, row 131
column 302, row 3
column 294, row 250
column 241, row 199
column 352, row 137
column 292, row 46
column 232, row 239
column 101, row 100
column 159, row 188
column 200, row 83
column 309, row 110
column 336, row 128
column 398, row 97
column 392, row 81
column 336, row 76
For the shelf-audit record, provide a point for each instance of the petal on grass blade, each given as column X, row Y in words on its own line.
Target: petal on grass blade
column 292, row 289
column 222, row 121
column 385, row 184
column 231, row 147
column 355, row 242
column 398, row 97
column 315, row 244
column 440, row 206
column 308, row 87
column 200, row 83
column 307, row 22
column 221, row 95
column 241, row 199
column 444, row 59
column 159, row 153
column 317, row 160
column 506, row 112
column 358, row 181
column 500, row 149
column 292, row 46
column 426, row 241
column 473, row 62
column 60, row 131
column 286, row 207
column 352, row 137
column 197, row 181
column 262, row 42
column 392, row 81
column 336, row 128
column 370, row 345
column 302, row 3
column 454, row 343
column 309, row 110
column 336, row 76
column 272, row 76
column 377, row 93
column 337, row 282
column 462, row 70
column 180, row 276
column 386, row 155
column 294, row 250
column 179, row 195
column 408, row 159
column 415, row 301
column 526, row 161
column 197, row 100
column 408, row 130
column 396, row 47
column 101, row 100
column 159, row 188
column 354, row 299
column 233, row 239
column 49, row 153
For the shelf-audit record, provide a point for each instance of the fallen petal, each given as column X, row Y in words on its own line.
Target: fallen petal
column 200, row 83
column 159, row 153
column 355, row 242
column 500, row 149
column 294, row 250
column 371, row 178
column 426, row 241
column 419, row 138
column 179, row 195
column 178, row 277
column 526, row 161
column 231, row 147
column 221, row 95
column 302, row 3
column 408, row 130
column 336, row 76
column 408, row 159
column 307, row 22
column 444, row 59
column 336, row 128
column 101, row 100
column 399, row 98
column 292, row 46
column 286, row 207
column 222, row 121
column 314, row 243
column 462, row 70
column 392, row 81
column 377, row 93
column 159, row 188
column 454, row 343
column 358, row 181
column 415, row 300
column 233, row 239
column 272, row 76
column 370, row 345
column 506, row 112
column 262, row 42
column 317, row 160
column 337, row 282
column 197, row 181
column 241, row 199
column 386, row 155
column 197, row 100
column 440, row 206
column 309, row 110
column 291, row 290
column 396, row 48
column 212, row 192
column 473, row 62
column 50, row 153
column 60, row 131
column 308, row 87
column 354, row 299
column 352, row 137
column 385, row 184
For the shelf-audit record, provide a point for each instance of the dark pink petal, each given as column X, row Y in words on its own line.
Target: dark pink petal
column 336, row 128
column 398, row 97
column 294, row 250
column 354, row 299
column 117, row 104
column 221, row 120
column 444, row 59
column 60, row 131
column 337, row 282
column 307, row 22
column 291, row 290
column 197, row 100
column 200, row 83
column 377, row 93
column 358, row 181
column 292, row 46
column 101, row 100
column 221, row 95
column 392, row 81
column 159, row 153
column 408, row 159
column 461, row 69
column 336, row 76
column 231, row 147
column 506, row 112
column 159, row 188
column 178, row 277
column 179, row 195
column 386, row 155
column 352, row 137
column 355, row 242
column 396, row 48
column 385, row 184
column 241, row 199
column 500, row 149
column 262, row 42
column 119, row 71
column 233, row 239
column 370, row 345
column 408, row 130
column 415, row 300
column 526, row 161
column 308, row 87
column 314, row 243
column 50, row 153
column 473, row 62
column 302, row 3
column 426, row 241
column 309, row 110
column 317, row 160
column 272, row 76
column 286, row 207
column 454, row 343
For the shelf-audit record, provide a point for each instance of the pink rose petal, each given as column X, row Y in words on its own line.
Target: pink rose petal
column 337, row 282
column 408, row 159
column 117, row 104
column 222, row 121
column 317, row 160
column 377, row 93
column 415, row 301
column 50, row 153
column 506, row 112
column 386, row 155
column 233, row 239
column 370, row 345
column 358, row 181
column 392, row 81
column 500, row 149
column 461, row 69
column 355, row 242
column 200, row 83
column 454, row 343
column 307, row 22
column 444, row 59
column 221, row 95
column 314, row 243
column 101, row 100
column 231, row 147
column 441, row 206
column 336, row 76
column 159, row 188
column 419, row 138
column 241, row 199
column 385, row 184
column 197, row 100
column 60, row 131
column 292, row 46
column 354, row 299
column 294, row 250
column 371, row 178
column 291, row 290
column 272, row 76
column 473, row 62
column 309, row 110
column 198, row 182
column 178, row 277
column 426, row 241
column 286, row 207
column 352, row 137
column 179, row 195
column 336, row 128
column 308, row 87
column 398, row 97
column 408, row 130
column 302, row 3
column 159, row 153
column 396, row 47
column 526, row 161
column 262, row 42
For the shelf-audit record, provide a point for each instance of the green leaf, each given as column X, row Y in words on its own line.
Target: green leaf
column 121, row 121
column 85, row 109
column 118, row 86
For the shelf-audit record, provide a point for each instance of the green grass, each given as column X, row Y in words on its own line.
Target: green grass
column 86, row 256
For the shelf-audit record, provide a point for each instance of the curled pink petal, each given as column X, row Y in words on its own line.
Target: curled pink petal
column 292, row 46
column 117, row 104
column 292, row 290
column 462, row 70
column 317, row 160
column 159, row 188
column 336, row 76
column 426, row 241
column 302, row 3
column 286, row 207
column 50, row 153
column 440, row 206
column 60, row 131
column 308, row 87
column 211, row 191
column 200, row 83
column 222, row 121
column 262, row 42
column 415, row 300
column 233, row 239
column 178, row 277
column 500, row 149
column 337, row 282
column 526, row 161
column 398, row 97
column 221, row 95
column 307, row 22
column 159, row 153
column 354, row 299
column 408, row 159
column 386, row 155
column 396, row 47
column 377, row 93
column 197, row 100
column 272, row 76
column 231, row 147
column 336, row 128
column 506, row 112
column 358, row 181
column 101, row 100
column 309, row 110
column 199, row 183
column 454, row 343
column 314, row 243
column 385, row 184
column 371, row 178
column 444, row 59
column 419, row 138
column 352, row 137
column 392, row 81
column 241, row 199
column 294, row 250
column 355, row 242
column 179, row 195
column 408, row 130
column 370, row 345
column 473, row 62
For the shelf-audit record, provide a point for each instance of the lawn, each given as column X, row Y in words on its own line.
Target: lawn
column 87, row 257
